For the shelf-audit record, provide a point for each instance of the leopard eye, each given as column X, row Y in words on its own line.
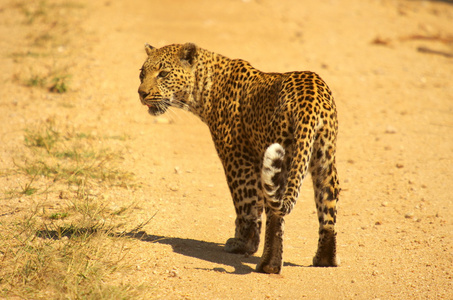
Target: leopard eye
column 142, row 74
column 163, row 74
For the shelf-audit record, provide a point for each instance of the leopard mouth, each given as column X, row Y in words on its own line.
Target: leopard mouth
column 156, row 110
column 157, row 107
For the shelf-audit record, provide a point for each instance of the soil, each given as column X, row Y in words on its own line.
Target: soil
column 389, row 64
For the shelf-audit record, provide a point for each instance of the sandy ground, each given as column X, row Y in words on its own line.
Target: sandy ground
column 390, row 67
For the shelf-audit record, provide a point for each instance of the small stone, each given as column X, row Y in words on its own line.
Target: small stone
column 378, row 223
column 384, row 204
column 173, row 188
column 390, row 130
column 177, row 170
column 173, row 273
column 409, row 215
column 375, row 273
column 353, row 280
column 399, row 165
column 63, row 195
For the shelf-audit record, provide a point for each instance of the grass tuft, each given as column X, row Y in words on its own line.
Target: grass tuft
column 58, row 216
column 36, row 81
column 44, row 137
column 59, row 84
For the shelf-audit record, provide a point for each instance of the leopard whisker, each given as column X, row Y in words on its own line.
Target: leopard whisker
column 161, row 107
column 172, row 114
column 183, row 114
column 179, row 104
column 184, row 108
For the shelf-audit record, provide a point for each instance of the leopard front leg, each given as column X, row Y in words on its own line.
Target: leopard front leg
column 248, row 203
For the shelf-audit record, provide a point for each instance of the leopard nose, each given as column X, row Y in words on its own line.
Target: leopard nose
column 143, row 94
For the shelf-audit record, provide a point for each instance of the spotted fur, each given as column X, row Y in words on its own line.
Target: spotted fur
column 269, row 130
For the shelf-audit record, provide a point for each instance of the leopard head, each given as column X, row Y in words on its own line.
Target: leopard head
column 166, row 77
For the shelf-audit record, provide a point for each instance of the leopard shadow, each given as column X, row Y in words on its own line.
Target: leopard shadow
column 208, row 251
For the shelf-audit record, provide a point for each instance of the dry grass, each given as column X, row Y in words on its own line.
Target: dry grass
column 48, row 23
column 71, row 156
column 60, row 235
column 65, row 251
column 45, row 260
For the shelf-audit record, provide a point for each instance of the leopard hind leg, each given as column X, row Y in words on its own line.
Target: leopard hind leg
column 326, row 190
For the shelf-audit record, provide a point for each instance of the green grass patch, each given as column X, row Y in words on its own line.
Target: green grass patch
column 28, row 189
column 58, row 216
column 36, row 81
column 54, row 82
column 59, row 84
column 46, row 136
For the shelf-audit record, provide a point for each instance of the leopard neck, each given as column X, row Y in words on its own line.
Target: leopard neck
column 208, row 72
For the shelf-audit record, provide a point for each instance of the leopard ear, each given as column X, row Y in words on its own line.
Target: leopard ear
column 188, row 53
column 148, row 48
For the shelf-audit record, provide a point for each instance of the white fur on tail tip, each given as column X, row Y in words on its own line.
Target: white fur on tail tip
column 274, row 153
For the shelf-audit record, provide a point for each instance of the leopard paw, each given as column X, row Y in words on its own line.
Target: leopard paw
column 269, row 268
column 326, row 261
column 234, row 245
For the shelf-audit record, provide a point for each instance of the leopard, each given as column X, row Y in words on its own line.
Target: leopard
column 270, row 130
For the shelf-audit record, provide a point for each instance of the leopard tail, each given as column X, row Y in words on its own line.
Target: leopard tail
column 273, row 175
column 281, row 183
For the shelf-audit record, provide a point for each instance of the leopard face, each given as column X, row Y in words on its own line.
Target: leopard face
column 166, row 78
